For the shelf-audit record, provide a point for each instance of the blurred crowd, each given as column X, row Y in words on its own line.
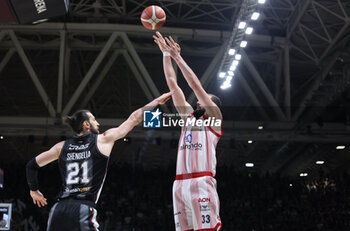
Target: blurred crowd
column 135, row 199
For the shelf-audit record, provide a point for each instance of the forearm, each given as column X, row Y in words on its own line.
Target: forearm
column 169, row 73
column 191, row 78
column 32, row 175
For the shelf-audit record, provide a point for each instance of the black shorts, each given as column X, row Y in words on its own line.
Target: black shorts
column 72, row 215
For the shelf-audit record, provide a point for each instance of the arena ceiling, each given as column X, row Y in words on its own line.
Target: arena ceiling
column 293, row 79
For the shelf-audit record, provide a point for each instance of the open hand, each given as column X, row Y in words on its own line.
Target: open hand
column 167, row 44
column 164, row 98
column 38, row 198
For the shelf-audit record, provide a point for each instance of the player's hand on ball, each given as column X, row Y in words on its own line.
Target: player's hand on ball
column 38, row 198
column 164, row 98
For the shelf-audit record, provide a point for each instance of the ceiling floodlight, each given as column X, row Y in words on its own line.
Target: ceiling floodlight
column 235, row 63
column 242, row 25
column 231, row 51
column 249, row 165
column 249, row 30
column 243, row 43
column 255, row 16
column 225, row 85
column 222, row 74
column 233, row 68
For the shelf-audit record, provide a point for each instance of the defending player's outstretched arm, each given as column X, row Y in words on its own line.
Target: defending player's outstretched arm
column 108, row 138
column 178, row 96
column 211, row 108
column 134, row 119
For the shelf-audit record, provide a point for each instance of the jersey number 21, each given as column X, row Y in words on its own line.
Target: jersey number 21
column 73, row 170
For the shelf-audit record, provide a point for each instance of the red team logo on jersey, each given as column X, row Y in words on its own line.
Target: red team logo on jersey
column 203, row 200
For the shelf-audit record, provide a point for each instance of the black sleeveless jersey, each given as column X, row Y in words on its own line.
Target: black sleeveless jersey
column 83, row 168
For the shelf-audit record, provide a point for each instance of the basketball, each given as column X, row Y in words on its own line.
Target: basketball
column 153, row 17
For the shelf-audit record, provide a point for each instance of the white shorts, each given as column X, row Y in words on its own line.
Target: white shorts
column 196, row 204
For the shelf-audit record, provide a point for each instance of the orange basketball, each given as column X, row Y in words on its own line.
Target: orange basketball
column 153, row 17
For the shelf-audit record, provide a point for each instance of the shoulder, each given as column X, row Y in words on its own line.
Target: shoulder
column 58, row 146
column 103, row 137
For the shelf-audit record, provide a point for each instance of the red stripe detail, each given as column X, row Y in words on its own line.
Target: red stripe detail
column 211, row 129
column 194, row 191
column 93, row 225
column 193, row 175
column 208, row 153
column 213, row 229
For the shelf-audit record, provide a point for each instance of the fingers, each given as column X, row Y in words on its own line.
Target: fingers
column 159, row 35
column 172, row 41
column 166, row 99
column 167, row 40
column 155, row 38
column 41, row 202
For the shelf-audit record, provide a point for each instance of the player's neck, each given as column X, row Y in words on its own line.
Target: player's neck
column 84, row 132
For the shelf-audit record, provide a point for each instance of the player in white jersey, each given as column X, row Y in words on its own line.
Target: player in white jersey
column 195, row 199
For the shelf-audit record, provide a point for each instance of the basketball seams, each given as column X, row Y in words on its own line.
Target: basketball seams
column 153, row 17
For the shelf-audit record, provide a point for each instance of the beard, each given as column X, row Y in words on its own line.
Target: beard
column 94, row 130
column 198, row 112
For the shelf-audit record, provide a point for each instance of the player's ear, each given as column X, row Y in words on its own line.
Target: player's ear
column 86, row 124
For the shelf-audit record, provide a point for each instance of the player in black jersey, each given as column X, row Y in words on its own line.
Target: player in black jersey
column 83, row 161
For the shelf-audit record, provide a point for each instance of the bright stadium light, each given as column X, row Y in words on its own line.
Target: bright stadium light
column 238, row 57
column 222, row 74
column 250, row 141
column 340, row 147
column 255, row 16
column 320, row 162
column 249, row 30
column 233, row 68
column 225, row 85
column 261, row 1
column 230, row 73
column 249, row 165
column 243, row 43
column 231, row 52
column 229, row 78
column 235, row 63
column 242, row 25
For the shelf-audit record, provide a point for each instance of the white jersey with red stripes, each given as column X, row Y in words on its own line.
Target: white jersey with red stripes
column 196, row 151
